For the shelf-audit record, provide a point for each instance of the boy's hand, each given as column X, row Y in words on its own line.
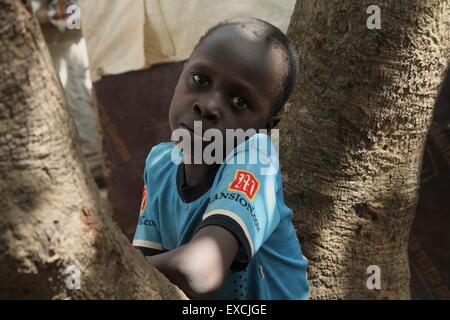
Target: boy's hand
column 199, row 267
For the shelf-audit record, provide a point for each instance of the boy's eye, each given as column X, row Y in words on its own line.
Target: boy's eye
column 200, row 80
column 239, row 103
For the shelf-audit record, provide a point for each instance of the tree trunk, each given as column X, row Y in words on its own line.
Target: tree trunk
column 54, row 229
column 352, row 139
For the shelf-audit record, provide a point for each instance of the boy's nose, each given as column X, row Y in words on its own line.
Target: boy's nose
column 209, row 110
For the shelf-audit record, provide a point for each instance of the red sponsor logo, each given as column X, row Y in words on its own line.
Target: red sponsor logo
column 245, row 182
column 144, row 199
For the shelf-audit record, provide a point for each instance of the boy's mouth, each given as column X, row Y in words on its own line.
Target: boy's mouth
column 182, row 125
column 196, row 134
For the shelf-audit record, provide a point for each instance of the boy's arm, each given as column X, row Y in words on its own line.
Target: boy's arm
column 200, row 266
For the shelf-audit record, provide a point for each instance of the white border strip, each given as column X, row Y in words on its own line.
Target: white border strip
column 147, row 244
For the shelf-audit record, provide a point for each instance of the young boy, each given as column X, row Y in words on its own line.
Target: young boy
column 222, row 230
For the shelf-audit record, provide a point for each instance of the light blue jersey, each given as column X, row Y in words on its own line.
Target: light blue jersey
column 247, row 200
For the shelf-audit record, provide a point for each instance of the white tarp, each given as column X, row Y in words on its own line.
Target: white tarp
column 125, row 35
column 68, row 51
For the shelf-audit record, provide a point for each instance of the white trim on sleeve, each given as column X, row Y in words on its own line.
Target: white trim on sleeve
column 148, row 244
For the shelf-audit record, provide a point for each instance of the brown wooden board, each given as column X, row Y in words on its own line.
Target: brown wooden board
column 133, row 114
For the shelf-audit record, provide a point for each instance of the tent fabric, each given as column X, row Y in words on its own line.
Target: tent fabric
column 126, row 35
column 68, row 52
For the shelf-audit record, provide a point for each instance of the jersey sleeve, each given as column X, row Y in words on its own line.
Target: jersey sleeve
column 147, row 237
column 245, row 204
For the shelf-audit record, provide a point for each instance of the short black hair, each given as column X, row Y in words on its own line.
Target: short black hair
column 268, row 32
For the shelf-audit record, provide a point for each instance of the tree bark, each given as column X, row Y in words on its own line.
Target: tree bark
column 52, row 220
column 353, row 136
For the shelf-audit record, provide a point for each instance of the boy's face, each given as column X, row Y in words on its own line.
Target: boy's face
column 229, row 82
